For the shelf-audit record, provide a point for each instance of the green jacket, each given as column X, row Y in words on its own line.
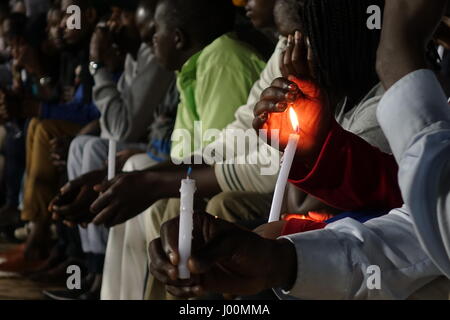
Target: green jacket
column 213, row 84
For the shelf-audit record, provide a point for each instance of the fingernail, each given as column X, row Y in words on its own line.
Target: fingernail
column 289, row 40
column 281, row 106
column 263, row 116
column 298, row 37
column 292, row 87
column 172, row 258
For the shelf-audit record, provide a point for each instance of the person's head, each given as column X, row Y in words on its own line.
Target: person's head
column 145, row 21
column 13, row 31
column 4, row 11
column 54, row 32
column 184, row 27
column 341, row 48
column 88, row 18
column 286, row 16
column 260, row 12
column 123, row 26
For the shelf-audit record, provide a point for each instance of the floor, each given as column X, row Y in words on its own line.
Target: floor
column 15, row 287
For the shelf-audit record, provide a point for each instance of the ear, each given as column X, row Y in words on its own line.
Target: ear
column 181, row 41
column 91, row 15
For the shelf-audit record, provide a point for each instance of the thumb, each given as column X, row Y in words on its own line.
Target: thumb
column 102, row 187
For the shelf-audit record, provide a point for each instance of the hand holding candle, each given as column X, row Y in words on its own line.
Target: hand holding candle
column 312, row 108
column 187, row 191
column 300, row 112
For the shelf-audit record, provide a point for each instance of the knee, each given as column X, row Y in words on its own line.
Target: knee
column 223, row 205
column 42, row 131
column 76, row 148
column 96, row 145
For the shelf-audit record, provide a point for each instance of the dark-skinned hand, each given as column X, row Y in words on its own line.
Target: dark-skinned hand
column 225, row 259
column 59, row 150
column 101, row 44
column 296, row 89
column 74, row 199
column 127, row 195
column 312, row 109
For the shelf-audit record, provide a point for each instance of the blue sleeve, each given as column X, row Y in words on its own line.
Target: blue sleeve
column 74, row 111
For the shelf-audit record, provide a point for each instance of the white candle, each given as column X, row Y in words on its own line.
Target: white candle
column 286, row 163
column 187, row 191
column 112, row 150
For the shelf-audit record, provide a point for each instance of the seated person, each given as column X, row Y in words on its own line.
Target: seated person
column 64, row 114
column 127, row 110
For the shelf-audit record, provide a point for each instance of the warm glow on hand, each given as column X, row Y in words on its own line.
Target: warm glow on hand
column 310, row 108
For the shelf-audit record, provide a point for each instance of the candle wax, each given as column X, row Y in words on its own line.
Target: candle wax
column 187, row 191
column 283, row 176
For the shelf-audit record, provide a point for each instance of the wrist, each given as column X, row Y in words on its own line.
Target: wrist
column 284, row 270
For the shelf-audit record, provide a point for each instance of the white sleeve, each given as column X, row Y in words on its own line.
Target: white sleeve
column 415, row 117
column 256, row 169
column 337, row 262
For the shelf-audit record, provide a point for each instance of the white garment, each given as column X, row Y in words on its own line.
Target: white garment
column 415, row 117
column 333, row 262
column 124, row 271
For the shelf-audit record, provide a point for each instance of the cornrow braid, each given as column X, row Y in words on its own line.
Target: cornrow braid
column 344, row 48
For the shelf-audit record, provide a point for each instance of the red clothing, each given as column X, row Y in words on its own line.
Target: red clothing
column 301, row 225
column 350, row 174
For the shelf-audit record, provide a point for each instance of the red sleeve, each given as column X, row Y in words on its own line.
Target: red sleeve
column 350, row 174
column 299, row 225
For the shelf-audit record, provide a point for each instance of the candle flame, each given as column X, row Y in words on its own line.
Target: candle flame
column 294, row 119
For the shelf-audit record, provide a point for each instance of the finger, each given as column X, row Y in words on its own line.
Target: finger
column 107, row 215
column 69, row 186
column 160, row 260
column 264, row 107
column 299, row 56
column 258, row 122
column 283, row 70
column 105, row 185
column 274, row 94
column 181, row 292
column 105, row 197
column 169, row 240
column 287, row 59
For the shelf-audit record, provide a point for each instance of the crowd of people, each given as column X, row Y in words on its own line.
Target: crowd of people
column 175, row 85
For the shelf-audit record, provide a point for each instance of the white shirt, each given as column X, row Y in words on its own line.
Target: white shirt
column 333, row 262
column 415, row 117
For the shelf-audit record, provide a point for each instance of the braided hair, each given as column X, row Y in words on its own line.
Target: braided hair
column 344, row 49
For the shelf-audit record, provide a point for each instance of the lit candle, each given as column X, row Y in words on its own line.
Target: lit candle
column 286, row 163
column 112, row 159
column 187, row 191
